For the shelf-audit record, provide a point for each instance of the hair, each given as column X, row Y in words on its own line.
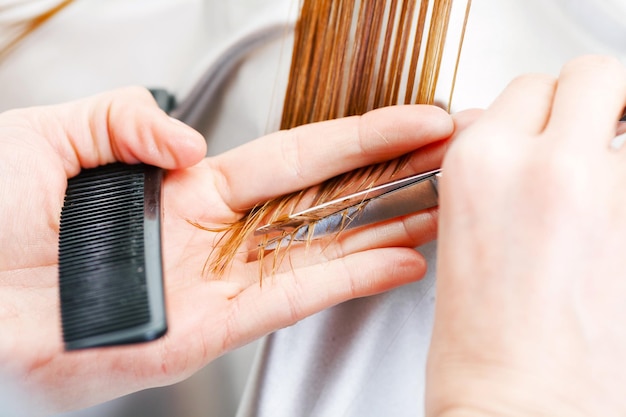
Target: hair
column 349, row 57
column 18, row 29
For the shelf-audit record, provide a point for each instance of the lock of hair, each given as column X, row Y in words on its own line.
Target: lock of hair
column 350, row 57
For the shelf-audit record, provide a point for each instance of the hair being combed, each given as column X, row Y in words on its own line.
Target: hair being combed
column 350, row 57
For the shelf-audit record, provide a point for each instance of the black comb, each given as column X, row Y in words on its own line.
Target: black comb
column 110, row 264
column 110, row 273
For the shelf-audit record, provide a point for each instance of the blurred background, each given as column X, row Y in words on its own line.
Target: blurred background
column 215, row 391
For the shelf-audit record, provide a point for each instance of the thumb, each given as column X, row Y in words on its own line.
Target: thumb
column 124, row 125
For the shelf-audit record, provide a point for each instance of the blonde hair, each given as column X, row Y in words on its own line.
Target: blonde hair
column 349, row 57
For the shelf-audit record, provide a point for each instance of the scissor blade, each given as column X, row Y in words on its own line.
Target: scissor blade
column 316, row 213
column 394, row 199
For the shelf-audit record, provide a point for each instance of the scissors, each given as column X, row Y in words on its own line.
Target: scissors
column 383, row 202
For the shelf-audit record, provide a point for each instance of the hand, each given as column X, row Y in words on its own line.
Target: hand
column 207, row 315
column 531, row 290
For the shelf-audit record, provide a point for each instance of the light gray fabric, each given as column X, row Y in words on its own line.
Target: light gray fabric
column 365, row 357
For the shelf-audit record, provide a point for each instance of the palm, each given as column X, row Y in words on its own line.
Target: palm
column 199, row 305
column 207, row 315
column 30, row 312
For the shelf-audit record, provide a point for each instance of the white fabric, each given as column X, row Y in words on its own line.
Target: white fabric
column 365, row 357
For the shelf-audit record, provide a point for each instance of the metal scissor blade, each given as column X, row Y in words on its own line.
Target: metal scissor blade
column 384, row 202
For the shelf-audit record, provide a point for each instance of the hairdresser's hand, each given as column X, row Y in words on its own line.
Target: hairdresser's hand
column 208, row 315
column 39, row 149
column 531, row 301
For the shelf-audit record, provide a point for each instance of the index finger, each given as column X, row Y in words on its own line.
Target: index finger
column 291, row 160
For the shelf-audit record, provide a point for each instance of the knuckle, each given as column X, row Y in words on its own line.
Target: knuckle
column 136, row 91
column 231, row 333
column 293, row 302
column 424, row 230
column 171, row 363
column 292, row 152
column 525, row 80
column 373, row 139
column 363, row 129
column 601, row 67
column 595, row 61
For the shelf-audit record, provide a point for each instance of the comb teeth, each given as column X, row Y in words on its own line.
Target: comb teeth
column 105, row 284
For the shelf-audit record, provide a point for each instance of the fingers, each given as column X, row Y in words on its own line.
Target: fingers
column 124, row 125
column 287, row 298
column 494, row 138
column 298, row 158
column 589, row 100
column 524, row 105
column 407, row 232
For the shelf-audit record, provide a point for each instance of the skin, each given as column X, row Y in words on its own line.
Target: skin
column 207, row 315
column 531, row 266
